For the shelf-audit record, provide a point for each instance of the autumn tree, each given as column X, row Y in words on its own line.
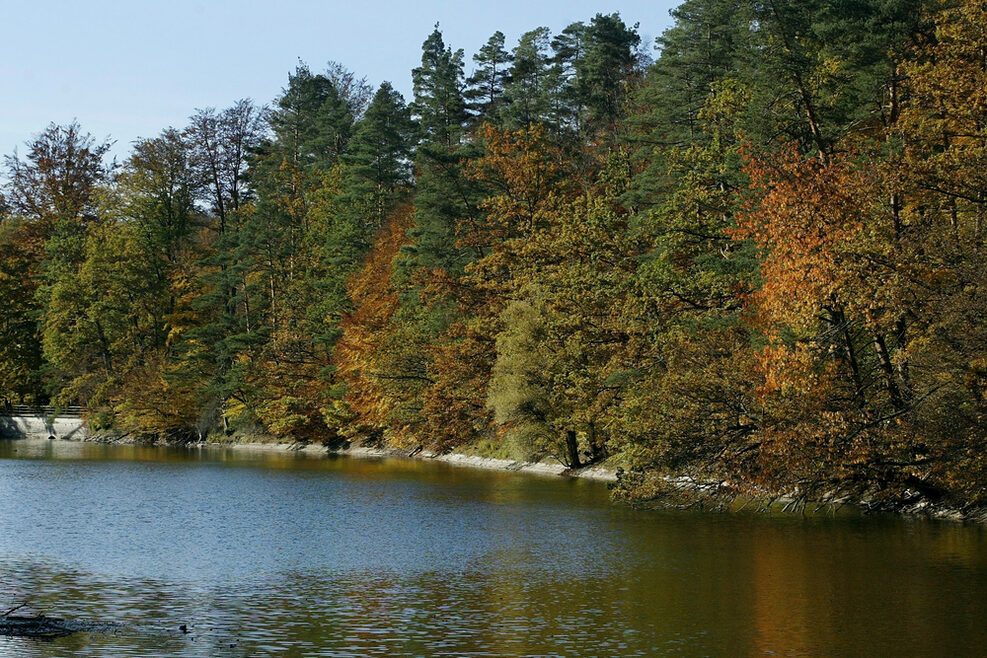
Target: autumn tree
column 108, row 321
column 939, row 228
column 21, row 246
column 562, row 334
column 522, row 170
column 369, row 403
column 53, row 196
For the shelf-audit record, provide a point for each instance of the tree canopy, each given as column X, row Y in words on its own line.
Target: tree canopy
column 758, row 259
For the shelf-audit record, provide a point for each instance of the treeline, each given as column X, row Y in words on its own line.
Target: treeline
column 758, row 259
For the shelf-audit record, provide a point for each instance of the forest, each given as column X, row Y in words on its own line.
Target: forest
column 751, row 253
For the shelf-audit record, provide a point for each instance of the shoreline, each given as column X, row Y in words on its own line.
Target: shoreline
column 598, row 472
column 595, row 472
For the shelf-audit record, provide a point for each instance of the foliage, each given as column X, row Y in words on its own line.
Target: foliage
column 758, row 260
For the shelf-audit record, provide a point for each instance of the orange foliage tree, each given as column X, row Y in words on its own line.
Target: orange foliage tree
column 364, row 406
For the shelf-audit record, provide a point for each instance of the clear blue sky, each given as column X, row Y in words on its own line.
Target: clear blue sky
column 128, row 69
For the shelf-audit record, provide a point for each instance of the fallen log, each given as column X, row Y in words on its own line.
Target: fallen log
column 41, row 627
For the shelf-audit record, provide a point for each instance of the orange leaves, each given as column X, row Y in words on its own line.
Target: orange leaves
column 786, row 370
column 365, row 330
column 370, row 288
column 809, row 219
column 524, row 171
column 455, row 403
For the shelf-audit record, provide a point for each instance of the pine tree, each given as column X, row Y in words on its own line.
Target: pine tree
column 486, row 86
column 378, row 167
column 532, row 94
column 439, row 105
column 606, row 69
column 443, row 195
column 312, row 122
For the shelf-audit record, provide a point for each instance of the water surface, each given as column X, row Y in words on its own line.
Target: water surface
column 288, row 554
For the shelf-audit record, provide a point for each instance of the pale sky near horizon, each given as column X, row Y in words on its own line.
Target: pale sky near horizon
column 126, row 70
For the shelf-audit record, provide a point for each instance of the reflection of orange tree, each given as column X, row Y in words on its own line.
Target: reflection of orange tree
column 791, row 600
column 823, row 587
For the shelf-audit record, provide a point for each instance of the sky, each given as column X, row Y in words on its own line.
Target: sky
column 128, row 69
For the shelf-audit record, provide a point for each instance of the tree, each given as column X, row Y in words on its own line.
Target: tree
column 355, row 91
column 370, row 404
column 487, row 84
column 54, row 196
column 535, row 84
column 57, row 186
column 378, row 168
column 439, row 105
column 939, row 228
column 605, row 69
column 824, row 69
column 312, row 122
column 221, row 144
column 563, row 332
column 21, row 250
column 569, row 49
column 59, row 180
column 443, row 195
column 110, row 321
column 161, row 189
column 522, row 170
column 704, row 46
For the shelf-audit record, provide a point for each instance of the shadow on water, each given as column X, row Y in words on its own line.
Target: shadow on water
column 267, row 553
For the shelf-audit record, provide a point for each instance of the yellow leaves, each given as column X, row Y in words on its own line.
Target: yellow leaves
column 943, row 123
column 831, row 66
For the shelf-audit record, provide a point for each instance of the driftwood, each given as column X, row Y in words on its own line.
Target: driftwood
column 41, row 627
column 46, row 628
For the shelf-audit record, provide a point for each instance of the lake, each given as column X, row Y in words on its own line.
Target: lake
column 269, row 553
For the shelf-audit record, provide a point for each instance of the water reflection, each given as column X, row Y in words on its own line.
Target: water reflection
column 264, row 553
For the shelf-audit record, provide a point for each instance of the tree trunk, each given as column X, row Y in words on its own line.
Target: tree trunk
column 840, row 323
column 901, row 337
column 595, row 448
column 887, row 369
column 572, row 448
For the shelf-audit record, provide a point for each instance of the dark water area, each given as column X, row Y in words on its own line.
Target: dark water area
column 289, row 554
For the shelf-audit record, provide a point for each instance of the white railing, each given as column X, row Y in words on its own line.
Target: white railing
column 41, row 412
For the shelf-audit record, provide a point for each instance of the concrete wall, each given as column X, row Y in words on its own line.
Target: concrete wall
column 20, row 427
